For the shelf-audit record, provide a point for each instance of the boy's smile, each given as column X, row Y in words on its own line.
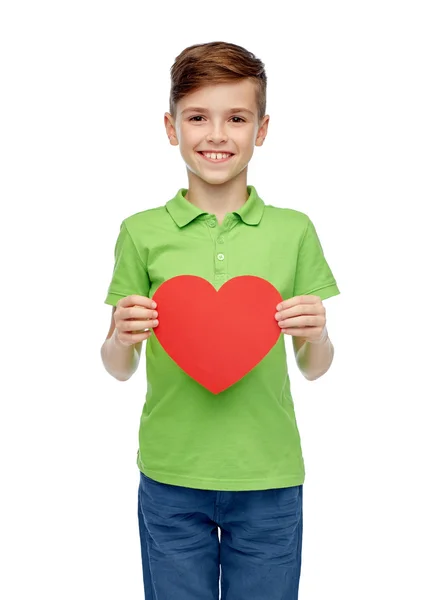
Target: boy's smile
column 218, row 158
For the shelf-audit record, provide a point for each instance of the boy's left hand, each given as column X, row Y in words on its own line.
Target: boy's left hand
column 303, row 316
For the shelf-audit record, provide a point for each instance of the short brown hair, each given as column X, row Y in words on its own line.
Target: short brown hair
column 216, row 62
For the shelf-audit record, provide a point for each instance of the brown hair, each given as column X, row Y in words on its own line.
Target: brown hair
column 216, row 62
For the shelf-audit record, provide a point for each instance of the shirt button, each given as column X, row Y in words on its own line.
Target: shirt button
column 220, row 240
column 220, row 256
column 212, row 223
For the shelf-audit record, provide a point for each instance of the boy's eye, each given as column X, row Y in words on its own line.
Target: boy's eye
column 200, row 117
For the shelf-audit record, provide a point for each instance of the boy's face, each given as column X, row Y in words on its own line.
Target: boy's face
column 216, row 127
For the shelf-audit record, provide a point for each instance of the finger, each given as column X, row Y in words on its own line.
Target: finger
column 306, row 332
column 138, row 312
column 303, row 321
column 300, row 309
column 307, row 299
column 129, row 326
column 299, row 303
column 303, row 332
column 139, row 335
column 135, row 299
column 128, row 339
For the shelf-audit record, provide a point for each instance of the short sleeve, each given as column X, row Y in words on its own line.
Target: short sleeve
column 129, row 274
column 313, row 274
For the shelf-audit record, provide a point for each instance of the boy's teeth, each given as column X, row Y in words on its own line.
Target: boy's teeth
column 212, row 155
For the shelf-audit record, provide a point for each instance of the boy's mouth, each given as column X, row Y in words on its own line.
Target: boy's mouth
column 216, row 160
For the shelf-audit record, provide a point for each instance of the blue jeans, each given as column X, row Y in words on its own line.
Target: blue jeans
column 259, row 550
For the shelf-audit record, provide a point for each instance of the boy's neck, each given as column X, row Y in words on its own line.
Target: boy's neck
column 219, row 199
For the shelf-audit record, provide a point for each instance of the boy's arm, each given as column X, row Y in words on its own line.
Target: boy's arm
column 120, row 361
column 313, row 359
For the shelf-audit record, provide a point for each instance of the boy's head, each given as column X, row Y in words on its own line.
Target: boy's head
column 208, row 82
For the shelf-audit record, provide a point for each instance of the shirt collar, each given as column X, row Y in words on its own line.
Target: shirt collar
column 183, row 212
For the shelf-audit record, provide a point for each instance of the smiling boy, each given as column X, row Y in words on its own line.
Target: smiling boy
column 231, row 461
column 220, row 118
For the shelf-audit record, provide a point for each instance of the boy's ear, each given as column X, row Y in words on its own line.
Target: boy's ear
column 262, row 131
column 170, row 128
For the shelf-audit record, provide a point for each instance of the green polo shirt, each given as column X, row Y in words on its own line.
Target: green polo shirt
column 246, row 437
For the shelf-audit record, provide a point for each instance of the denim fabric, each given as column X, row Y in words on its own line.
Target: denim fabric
column 258, row 555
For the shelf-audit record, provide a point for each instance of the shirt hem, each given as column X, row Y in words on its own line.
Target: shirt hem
column 211, row 483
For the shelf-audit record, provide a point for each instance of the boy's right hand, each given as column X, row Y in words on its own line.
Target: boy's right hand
column 132, row 315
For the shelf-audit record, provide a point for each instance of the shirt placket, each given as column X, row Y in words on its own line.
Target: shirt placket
column 219, row 235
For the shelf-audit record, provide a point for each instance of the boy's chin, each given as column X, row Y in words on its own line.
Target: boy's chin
column 211, row 179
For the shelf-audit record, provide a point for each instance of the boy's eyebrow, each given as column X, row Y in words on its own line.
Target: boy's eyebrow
column 200, row 109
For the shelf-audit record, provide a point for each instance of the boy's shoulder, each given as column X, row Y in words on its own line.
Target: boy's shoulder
column 289, row 214
column 149, row 215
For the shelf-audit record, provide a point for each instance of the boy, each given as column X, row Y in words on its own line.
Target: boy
column 231, row 460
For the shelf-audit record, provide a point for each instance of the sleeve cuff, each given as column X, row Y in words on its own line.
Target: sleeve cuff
column 112, row 298
column 324, row 292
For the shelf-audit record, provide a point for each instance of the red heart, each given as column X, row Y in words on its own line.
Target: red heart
column 217, row 337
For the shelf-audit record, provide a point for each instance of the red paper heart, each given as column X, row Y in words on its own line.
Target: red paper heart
column 217, row 337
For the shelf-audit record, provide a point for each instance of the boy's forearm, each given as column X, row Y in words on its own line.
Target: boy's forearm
column 120, row 361
column 314, row 360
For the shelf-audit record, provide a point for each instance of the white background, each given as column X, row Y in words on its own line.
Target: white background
column 352, row 143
